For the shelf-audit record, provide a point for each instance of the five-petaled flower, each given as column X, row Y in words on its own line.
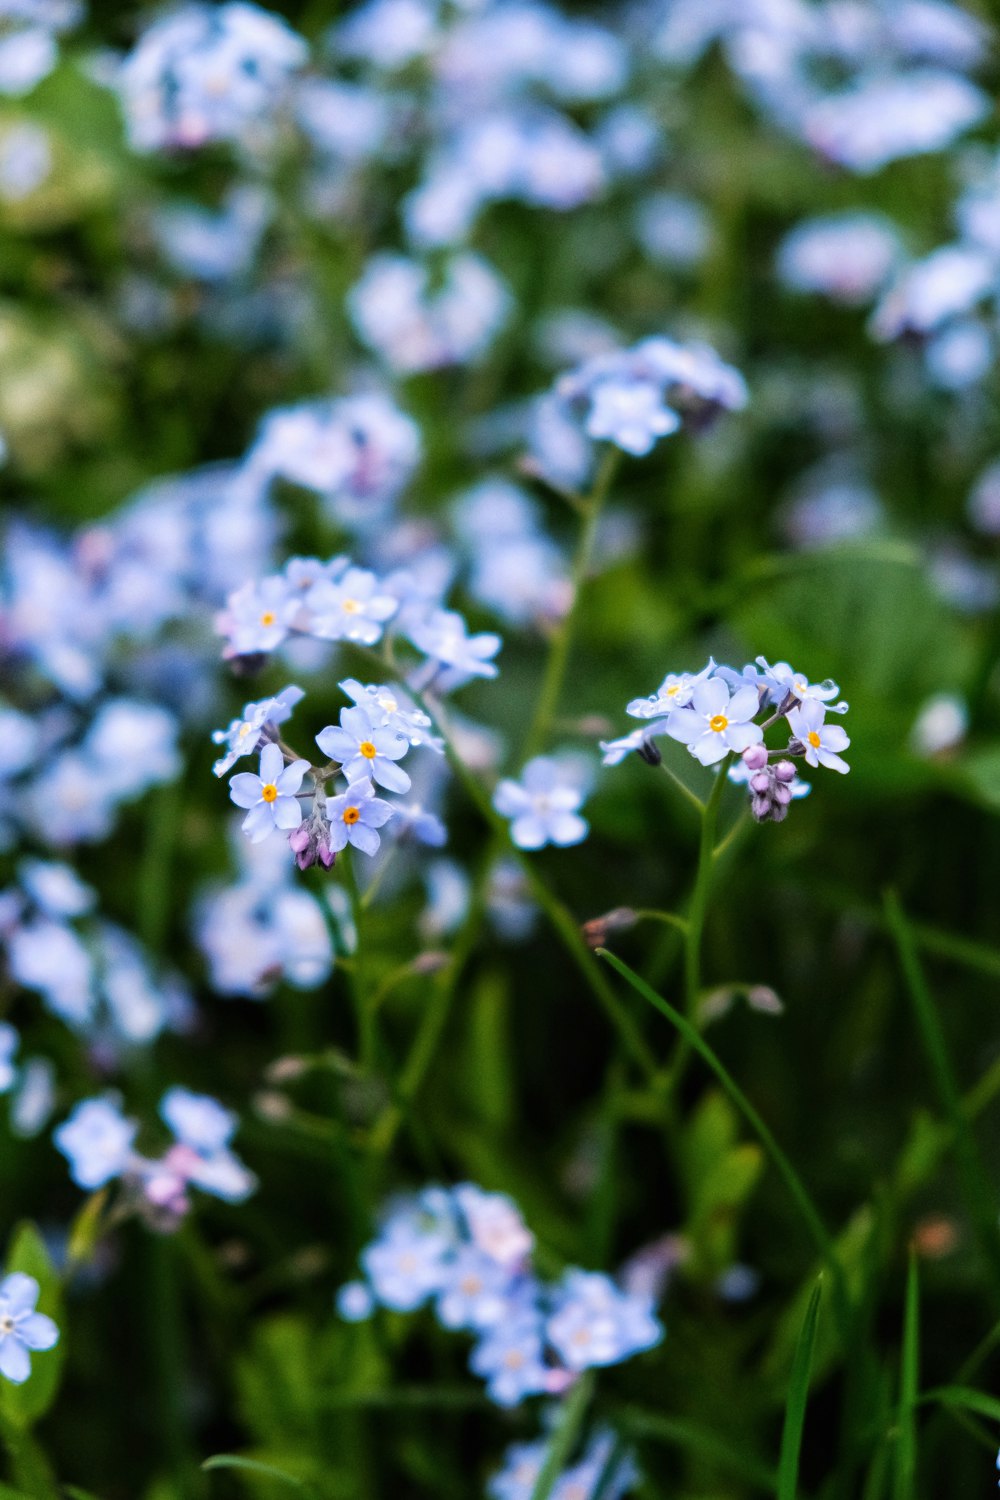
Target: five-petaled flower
column 364, row 750
column 354, row 817
column 22, row 1329
column 271, row 796
column 820, row 741
column 716, row 722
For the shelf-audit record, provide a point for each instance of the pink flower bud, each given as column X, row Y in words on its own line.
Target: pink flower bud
column 755, row 759
column 784, row 771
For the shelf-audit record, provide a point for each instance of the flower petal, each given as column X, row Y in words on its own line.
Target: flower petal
column 258, row 823
column 364, row 838
column 38, row 1331
column 15, row 1362
column 287, row 812
column 245, row 789
column 392, row 777
column 271, row 762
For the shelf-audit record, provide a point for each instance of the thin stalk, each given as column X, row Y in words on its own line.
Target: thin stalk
column 699, row 896
column 571, row 1417
column 683, row 788
column 364, row 1012
column 554, row 676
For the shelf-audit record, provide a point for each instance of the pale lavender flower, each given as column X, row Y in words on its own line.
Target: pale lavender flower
column 820, row 741
column 543, row 805
column 271, row 796
column 354, row 608
column 630, row 414
column 22, row 1329
column 96, row 1141
column 365, row 751
column 244, row 734
column 444, row 637
column 716, row 723
column 595, row 1323
column 355, row 816
column 392, row 708
column 510, row 1357
column 675, row 691
column 258, row 617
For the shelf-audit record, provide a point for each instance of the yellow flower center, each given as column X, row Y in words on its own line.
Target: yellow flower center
column 350, row 606
column 813, row 739
column 717, row 723
column 269, row 791
column 268, row 617
column 367, row 749
column 351, row 814
column 673, row 691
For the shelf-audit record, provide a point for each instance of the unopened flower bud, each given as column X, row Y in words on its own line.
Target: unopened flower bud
column 784, row 771
column 761, row 783
column 755, row 759
column 781, row 793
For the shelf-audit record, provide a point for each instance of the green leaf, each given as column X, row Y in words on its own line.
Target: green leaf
column 564, row 1436
column 22, row 1405
column 965, row 1398
column 254, row 1466
column 795, row 1406
column 909, row 1383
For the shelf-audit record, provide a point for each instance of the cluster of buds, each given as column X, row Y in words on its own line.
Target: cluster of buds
column 771, row 785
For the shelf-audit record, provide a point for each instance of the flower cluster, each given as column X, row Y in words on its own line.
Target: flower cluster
column 719, row 713
column 207, row 73
column 98, row 1142
column 468, row 1252
column 363, row 750
column 633, row 397
column 336, row 601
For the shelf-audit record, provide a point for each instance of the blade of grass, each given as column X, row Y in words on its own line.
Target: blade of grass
column 793, row 1182
column 980, row 1196
column 567, row 1430
column 798, row 1397
column 904, row 1487
column 965, row 1398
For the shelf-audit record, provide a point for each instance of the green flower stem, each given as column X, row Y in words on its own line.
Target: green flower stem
column 683, row 788
column 699, row 896
column 364, row 1011
column 562, row 640
column 564, row 1438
